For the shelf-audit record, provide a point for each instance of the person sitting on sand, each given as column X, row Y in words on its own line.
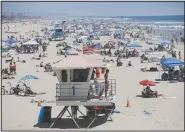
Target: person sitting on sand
column 41, row 64
column 40, row 56
column 119, row 61
column 130, row 63
column 18, row 60
column 147, row 89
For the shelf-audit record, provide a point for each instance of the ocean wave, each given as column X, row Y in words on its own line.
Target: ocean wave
column 168, row 22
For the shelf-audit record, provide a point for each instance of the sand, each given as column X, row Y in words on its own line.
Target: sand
column 166, row 113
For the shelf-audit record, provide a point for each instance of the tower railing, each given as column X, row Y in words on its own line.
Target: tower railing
column 77, row 92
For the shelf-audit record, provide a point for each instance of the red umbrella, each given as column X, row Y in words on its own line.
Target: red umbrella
column 147, row 82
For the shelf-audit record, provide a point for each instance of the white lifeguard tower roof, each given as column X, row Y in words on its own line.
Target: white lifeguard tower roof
column 77, row 62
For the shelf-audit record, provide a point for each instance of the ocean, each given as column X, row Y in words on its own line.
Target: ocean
column 163, row 19
column 167, row 26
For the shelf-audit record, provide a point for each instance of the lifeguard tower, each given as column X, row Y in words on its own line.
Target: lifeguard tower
column 58, row 33
column 75, row 88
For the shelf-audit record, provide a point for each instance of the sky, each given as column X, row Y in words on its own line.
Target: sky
column 97, row 8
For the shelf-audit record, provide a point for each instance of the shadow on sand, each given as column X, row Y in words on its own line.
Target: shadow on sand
column 67, row 123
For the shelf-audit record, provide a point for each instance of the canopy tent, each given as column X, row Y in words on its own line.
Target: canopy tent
column 134, row 45
column 30, row 43
column 171, row 61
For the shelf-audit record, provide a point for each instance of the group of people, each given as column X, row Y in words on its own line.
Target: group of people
column 174, row 54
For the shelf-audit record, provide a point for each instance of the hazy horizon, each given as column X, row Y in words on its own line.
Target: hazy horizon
column 96, row 8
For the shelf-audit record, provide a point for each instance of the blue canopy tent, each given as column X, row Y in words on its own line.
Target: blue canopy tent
column 171, row 61
column 11, row 41
column 173, row 65
column 134, row 45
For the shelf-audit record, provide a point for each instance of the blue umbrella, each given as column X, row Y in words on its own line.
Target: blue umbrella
column 27, row 77
column 169, row 61
column 134, row 45
column 11, row 41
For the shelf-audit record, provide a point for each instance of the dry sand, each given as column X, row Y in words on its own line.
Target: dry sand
column 167, row 114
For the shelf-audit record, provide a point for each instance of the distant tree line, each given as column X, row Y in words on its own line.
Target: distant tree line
column 14, row 16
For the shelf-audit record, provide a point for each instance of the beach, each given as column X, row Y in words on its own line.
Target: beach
column 166, row 113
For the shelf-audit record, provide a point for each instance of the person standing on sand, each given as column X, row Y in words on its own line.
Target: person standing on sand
column 179, row 55
column 175, row 54
column 14, row 68
column 106, row 81
column 11, row 68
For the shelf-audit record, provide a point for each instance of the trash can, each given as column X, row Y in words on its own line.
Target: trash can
column 45, row 114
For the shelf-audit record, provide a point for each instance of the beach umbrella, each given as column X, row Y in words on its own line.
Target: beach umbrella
column 134, row 45
column 28, row 77
column 147, row 82
column 169, row 61
column 11, row 41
